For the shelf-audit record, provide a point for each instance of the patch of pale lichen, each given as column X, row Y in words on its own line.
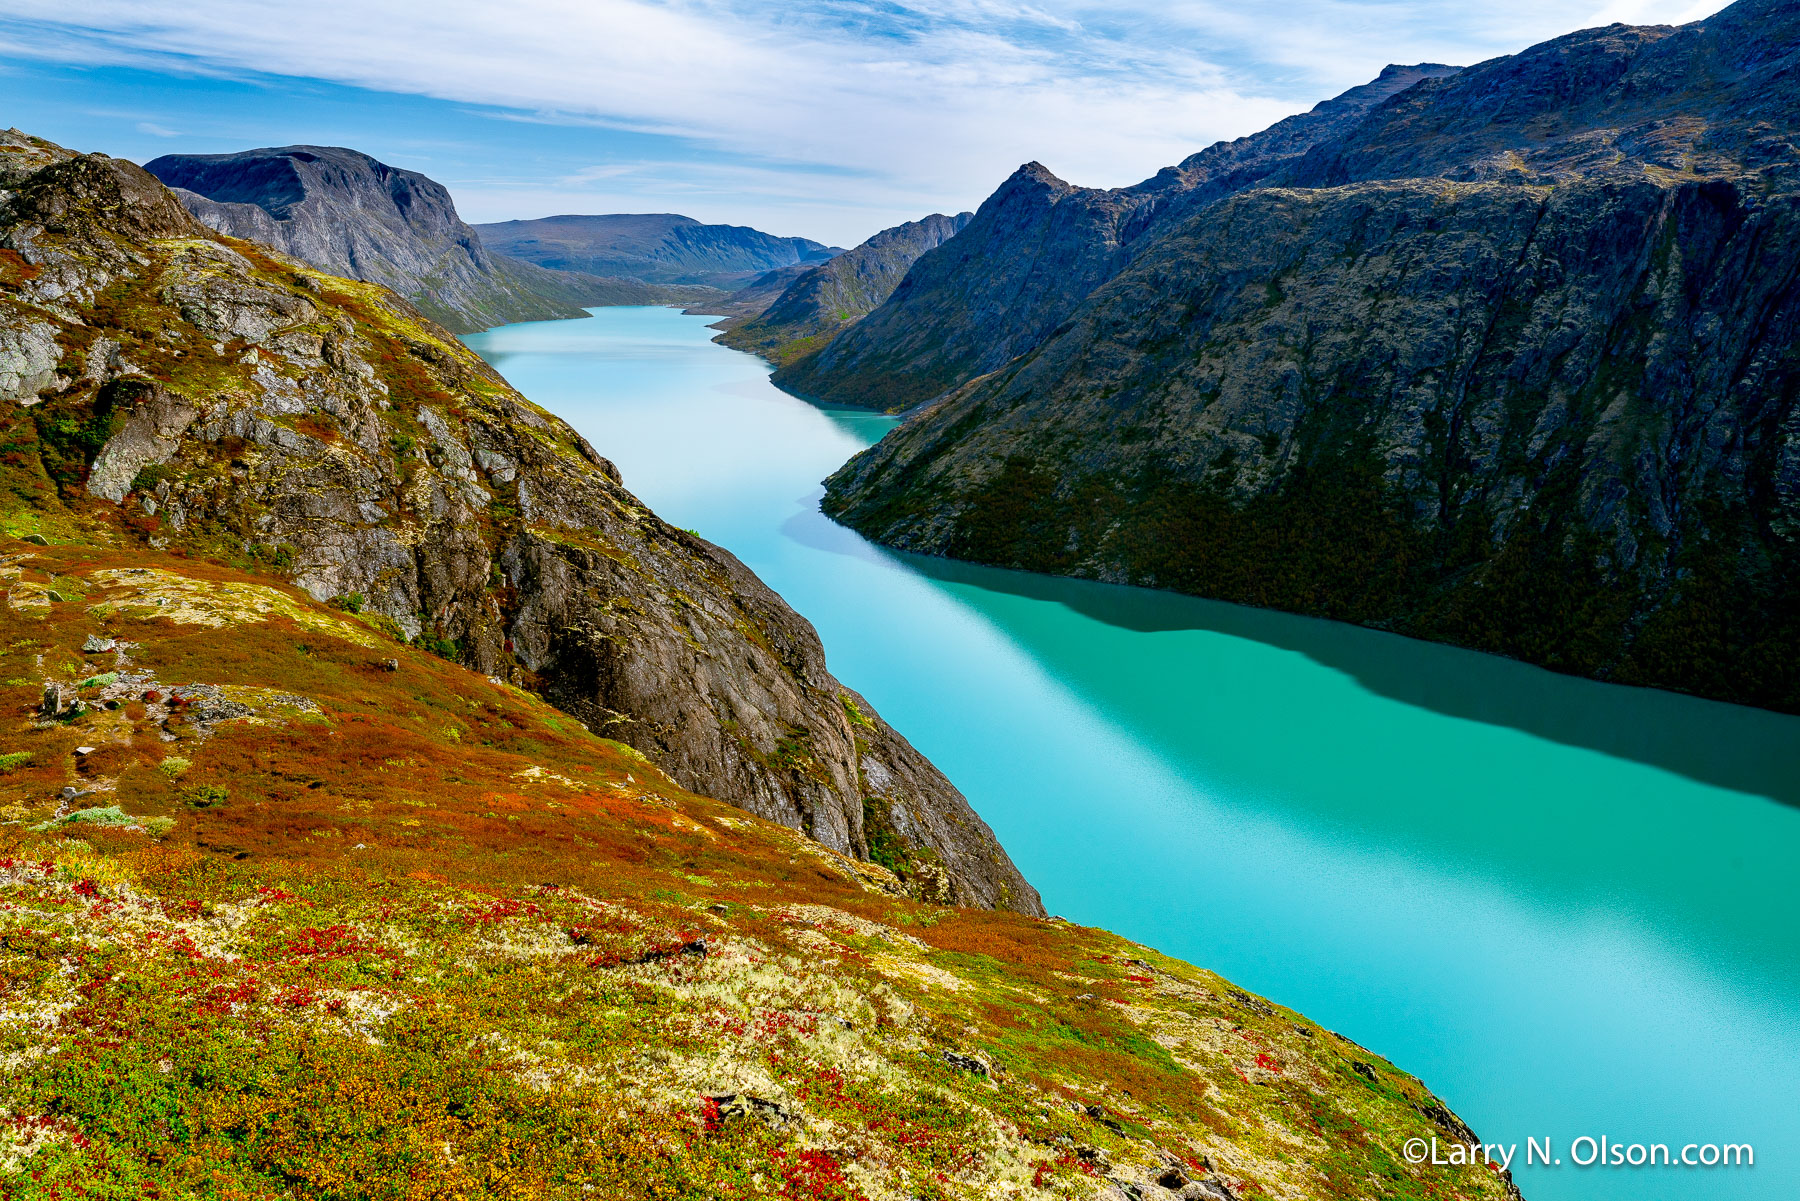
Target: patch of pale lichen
column 149, row 592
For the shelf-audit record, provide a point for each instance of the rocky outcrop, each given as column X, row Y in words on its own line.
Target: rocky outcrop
column 347, row 214
column 244, row 407
column 1538, row 398
column 1035, row 250
column 659, row 248
column 820, row 303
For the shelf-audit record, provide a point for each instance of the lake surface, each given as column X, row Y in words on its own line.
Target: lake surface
column 1572, row 909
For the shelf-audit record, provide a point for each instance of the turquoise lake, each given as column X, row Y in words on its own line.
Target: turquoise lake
column 1571, row 908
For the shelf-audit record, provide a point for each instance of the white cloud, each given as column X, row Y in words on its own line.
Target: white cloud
column 912, row 102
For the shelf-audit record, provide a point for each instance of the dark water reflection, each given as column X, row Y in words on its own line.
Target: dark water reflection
column 1730, row 746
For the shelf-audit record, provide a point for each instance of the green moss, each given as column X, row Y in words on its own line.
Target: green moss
column 149, row 477
column 854, row 714
column 71, row 433
column 206, row 796
column 110, row 815
column 438, row 644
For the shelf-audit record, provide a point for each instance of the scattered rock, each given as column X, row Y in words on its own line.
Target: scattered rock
column 35, row 539
column 1365, row 1070
column 1253, row 1004
column 1210, row 1189
column 658, row 954
column 1093, row 1155
column 390, row 664
column 1172, row 1178
column 96, row 645
column 85, row 750
column 965, row 1063
column 1435, row 1112
column 729, row 1106
column 1099, row 1115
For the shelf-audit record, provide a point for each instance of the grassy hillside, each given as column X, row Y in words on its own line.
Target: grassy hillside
column 320, row 914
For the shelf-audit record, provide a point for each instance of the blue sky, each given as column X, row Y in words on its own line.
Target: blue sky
column 825, row 118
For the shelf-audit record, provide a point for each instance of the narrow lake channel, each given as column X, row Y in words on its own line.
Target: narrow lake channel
column 1571, row 908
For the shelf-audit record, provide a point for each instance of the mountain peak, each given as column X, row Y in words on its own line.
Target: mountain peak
column 349, row 213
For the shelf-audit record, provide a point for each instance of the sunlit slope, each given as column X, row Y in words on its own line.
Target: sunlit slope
column 318, row 914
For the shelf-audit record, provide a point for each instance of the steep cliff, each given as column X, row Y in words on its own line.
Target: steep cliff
column 1538, row 398
column 169, row 388
column 347, row 214
column 1034, row 251
column 659, row 248
column 822, row 302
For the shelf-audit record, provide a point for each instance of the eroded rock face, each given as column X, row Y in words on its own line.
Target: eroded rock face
column 239, row 405
column 1539, row 399
column 28, row 358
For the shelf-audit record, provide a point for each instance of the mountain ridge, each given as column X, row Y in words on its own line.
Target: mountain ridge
column 818, row 304
column 1537, row 401
column 664, row 248
column 347, row 213
column 1033, row 251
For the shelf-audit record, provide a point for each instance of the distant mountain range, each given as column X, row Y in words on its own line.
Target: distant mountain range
column 663, row 248
column 342, row 211
column 1506, row 356
column 818, row 303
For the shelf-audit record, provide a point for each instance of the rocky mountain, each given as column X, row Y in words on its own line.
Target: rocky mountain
column 818, row 304
column 1035, row 250
column 174, row 389
column 657, row 248
column 1512, row 363
column 347, row 214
